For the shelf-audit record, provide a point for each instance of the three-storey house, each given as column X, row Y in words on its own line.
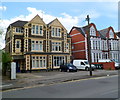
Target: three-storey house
column 35, row 45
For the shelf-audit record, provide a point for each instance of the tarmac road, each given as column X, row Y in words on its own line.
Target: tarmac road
column 99, row 87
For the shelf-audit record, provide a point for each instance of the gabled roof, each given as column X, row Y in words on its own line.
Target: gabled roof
column 80, row 29
column 56, row 22
column 83, row 29
column 103, row 32
column 19, row 23
column 52, row 21
column 37, row 19
column 118, row 34
column 101, row 35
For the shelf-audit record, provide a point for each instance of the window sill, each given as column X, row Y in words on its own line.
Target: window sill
column 36, row 51
column 40, row 68
column 56, row 36
column 56, row 51
column 37, row 34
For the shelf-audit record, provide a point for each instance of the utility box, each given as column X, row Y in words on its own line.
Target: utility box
column 13, row 70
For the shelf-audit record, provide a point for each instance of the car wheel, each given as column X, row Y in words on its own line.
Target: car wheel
column 86, row 68
column 68, row 70
column 60, row 70
column 75, row 70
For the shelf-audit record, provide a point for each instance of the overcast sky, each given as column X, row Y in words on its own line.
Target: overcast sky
column 102, row 14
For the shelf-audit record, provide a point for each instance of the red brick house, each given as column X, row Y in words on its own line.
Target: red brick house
column 104, row 43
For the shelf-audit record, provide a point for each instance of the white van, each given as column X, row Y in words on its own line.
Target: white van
column 83, row 64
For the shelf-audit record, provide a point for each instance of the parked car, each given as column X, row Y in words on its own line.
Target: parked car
column 117, row 64
column 68, row 67
column 83, row 65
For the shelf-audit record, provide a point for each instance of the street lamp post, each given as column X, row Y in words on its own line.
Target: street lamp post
column 89, row 44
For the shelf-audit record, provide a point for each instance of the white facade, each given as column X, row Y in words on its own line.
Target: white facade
column 104, row 48
column 114, row 49
column 96, row 49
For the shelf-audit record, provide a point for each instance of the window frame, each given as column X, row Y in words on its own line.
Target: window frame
column 35, row 45
column 56, row 32
column 39, row 62
column 37, row 29
column 56, row 46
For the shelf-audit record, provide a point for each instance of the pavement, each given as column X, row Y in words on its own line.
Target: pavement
column 41, row 78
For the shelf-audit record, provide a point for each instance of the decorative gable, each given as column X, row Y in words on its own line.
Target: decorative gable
column 56, row 23
column 37, row 20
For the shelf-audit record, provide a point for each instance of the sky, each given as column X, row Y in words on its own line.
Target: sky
column 102, row 14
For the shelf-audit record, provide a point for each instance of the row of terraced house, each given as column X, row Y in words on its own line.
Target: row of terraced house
column 36, row 45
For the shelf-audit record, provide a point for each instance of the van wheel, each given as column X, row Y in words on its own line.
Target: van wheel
column 86, row 68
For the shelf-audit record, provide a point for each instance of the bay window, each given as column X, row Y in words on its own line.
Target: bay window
column 37, row 45
column 38, row 61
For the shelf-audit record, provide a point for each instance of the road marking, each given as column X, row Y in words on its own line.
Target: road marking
column 22, row 88
column 57, row 83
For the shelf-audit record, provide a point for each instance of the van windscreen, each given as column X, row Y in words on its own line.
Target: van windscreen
column 86, row 62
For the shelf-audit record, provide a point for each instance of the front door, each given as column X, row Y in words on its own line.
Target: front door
column 17, row 67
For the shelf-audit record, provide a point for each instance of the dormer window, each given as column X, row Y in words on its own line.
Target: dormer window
column 92, row 31
column 111, row 34
column 18, row 30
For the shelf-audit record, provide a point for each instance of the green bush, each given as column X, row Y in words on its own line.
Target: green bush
column 6, row 63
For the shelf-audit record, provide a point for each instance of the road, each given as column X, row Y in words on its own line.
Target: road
column 105, row 87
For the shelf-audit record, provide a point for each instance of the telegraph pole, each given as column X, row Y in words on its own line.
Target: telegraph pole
column 89, row 44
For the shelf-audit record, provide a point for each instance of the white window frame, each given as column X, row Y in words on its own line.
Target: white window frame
column 37, row 29
column 39, row 62
column 56, row 32
column 111, row 34
column 92, row 31
column 37, row 45
column 58, row 60
column 56, row 46
column 17, row 49
column 20, row 30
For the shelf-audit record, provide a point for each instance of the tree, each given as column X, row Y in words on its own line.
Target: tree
column 6, row 62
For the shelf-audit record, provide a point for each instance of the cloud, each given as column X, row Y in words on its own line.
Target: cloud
column 3, row 8
column 67, row 20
